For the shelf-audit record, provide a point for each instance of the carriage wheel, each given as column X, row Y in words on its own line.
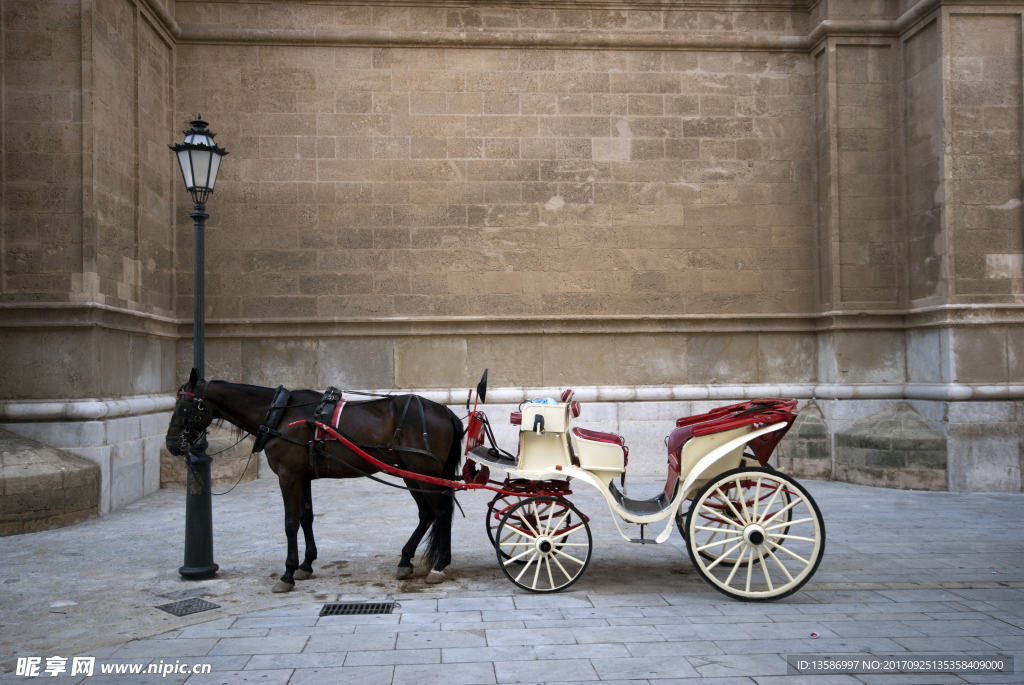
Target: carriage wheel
column 495, row 510
column 787, row 551
column 538, row 546
column 738, row 497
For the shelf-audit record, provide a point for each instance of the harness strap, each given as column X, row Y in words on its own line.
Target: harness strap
column 268, row 429
column 330, row 404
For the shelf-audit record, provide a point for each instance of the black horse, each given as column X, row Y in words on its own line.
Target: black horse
column 372, row 423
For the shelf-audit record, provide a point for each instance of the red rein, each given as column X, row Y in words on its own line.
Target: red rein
column 395, row 471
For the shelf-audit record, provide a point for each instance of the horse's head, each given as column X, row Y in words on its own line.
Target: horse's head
column 191, row 418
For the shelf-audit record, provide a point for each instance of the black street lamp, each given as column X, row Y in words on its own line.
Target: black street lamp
column 199, row 158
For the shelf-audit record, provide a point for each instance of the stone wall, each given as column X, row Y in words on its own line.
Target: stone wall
column 666, row 203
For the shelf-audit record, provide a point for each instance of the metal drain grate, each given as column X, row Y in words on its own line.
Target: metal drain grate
column 188, row 606
column 354, row 608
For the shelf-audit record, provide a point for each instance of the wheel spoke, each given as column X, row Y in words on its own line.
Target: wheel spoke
column 743, row 500
column 782, row 510
column 720, row 518
column 725, row 554
column 792, row 537
column 518, row 556
column 795, row 556
column 712, row 530
column 789, row 523
column 750, row 568
column 536, row 571
column 757, row 496
column 526, row 566
column 729, row 502
column 781, row 565
column 764, row 570
column 718, row 544
column 735, row 566
column 547, row 566
column 771, row 502
column 568, row 556
column 559, row 564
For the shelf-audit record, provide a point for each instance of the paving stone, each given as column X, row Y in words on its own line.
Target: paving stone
column 739, row 665
column 549, row 670
column 260, row 645
column 351, row 643
column 306, row 660
column 476, row 604
column 487, row 654
column 167, row 648
column 393, row 657
column 644, row 667
column 441, row 639
column 445, row 674
column 540, row 636
column 611, row 633
column 582, row 651
column 357, row 675
column 273, row 677
column 651, row 649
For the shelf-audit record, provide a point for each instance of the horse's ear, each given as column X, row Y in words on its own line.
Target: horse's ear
column 193, row 378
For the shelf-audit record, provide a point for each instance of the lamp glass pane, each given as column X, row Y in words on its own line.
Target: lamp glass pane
column 201, row 167
column 186, row 168
column 214, row 168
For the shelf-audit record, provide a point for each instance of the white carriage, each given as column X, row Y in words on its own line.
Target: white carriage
column 752, row 532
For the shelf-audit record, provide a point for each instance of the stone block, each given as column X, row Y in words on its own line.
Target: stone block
column 126, row 474
column 722, row 358
column 650, row 359
column 273, row 362
column 510, row 360
column 869, row 356
column 578, row 360
column 980, row 354
column 786, row 358
column 124, row 429
column 431, row 363
column 880, row 449
column 984, row 457
column 356, row 363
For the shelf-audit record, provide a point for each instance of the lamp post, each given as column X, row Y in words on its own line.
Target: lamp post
column 199, row 158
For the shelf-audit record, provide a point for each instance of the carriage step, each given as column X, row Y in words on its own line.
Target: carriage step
column 643, row 541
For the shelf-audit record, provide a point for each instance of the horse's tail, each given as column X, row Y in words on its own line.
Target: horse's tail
column 440, row 530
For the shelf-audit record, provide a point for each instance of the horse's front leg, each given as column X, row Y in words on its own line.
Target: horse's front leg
column 305, row 569
column 291, row 493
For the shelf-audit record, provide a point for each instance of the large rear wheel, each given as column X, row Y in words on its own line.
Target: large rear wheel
column 761, row 549
column 737, row 496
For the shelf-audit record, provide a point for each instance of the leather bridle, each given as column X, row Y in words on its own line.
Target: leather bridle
column 189, row 417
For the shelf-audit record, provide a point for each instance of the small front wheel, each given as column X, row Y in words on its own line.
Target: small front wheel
column 539, row 547
column 761, row 548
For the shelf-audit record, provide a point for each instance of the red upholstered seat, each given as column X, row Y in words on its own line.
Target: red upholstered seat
column 598, row 436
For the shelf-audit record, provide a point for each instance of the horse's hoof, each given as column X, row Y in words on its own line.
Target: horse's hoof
column 435, row 577
column 282, row 586
column 404, row 572
column 302, row 575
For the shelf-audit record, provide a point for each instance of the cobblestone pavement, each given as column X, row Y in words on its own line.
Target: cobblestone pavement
column 903, row 572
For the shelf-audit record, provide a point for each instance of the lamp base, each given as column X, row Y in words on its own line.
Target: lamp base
column 198, row 572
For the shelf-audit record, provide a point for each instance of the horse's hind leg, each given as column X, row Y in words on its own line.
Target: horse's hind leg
column 291, row 493
column 305, row 569
column 439, row 547
column 409, row 551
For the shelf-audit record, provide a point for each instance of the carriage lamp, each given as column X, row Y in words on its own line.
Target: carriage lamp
column 199, row 158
